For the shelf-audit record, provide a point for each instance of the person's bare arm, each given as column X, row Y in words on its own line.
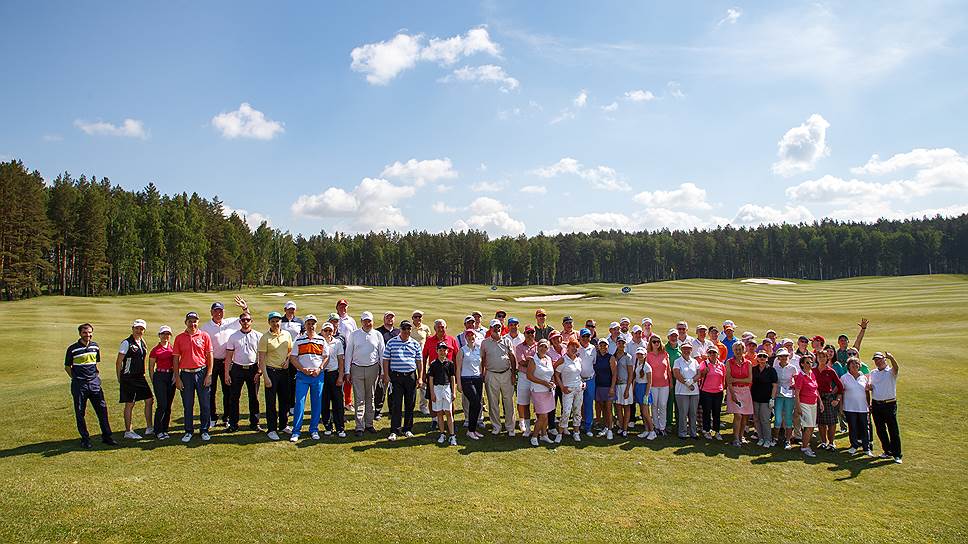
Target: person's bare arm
column 261, row 358
column 894, row 366
column 457, row 368
column 117, row 365
column 860, row 334
column 229, row 354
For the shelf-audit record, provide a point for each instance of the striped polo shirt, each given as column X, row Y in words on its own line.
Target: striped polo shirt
column 404, row 355
column 310, row 352
column 83, row 360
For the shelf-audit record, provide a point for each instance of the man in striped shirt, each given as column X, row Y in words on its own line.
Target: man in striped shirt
column 401, row 369
column 80, row 363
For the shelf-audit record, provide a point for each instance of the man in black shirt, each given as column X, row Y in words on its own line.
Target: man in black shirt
column 80, row 363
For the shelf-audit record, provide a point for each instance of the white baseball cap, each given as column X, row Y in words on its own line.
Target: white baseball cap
column 636, row 328
column 646, row 320
column 140, row 323
column 311, row 317
column 327, row 325
column 625, row 320
column 613, row 325
column 289, row 304
column 495, row 322
column 366, row 316
column 163, row 329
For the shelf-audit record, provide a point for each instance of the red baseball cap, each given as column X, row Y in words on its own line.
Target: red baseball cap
column 820, row 338
column 342, row 301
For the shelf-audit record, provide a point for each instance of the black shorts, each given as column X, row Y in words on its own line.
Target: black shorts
column 135, row 389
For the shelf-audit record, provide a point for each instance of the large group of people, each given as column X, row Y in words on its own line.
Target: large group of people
column 536, row 381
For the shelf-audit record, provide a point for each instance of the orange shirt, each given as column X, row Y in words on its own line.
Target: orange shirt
column 193, row 349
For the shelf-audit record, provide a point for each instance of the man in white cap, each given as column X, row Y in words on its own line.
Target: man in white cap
column 498, row 362
column 479, row 325
column 623, row 329
column 637, row 341
column 682, row 330
column 701, row 344
column 219, row 329
column 647, row 327
column 364, row 357
column 294, row 326
column 614, row 333
column 420, row 333
column 388, row 331
column 468, row 325
column 130, row 364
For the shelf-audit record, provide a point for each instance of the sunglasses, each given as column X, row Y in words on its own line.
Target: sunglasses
column 680, row 328
column 245, row 319
column 655, row 341
column 541, row 315
column 762, row 356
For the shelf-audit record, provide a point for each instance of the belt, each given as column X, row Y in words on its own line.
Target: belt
column 192, row 370
column 250, row 365
column 403, row 373
column 588, row 378
column 489, row 371
column 888, row 401
column 162, row 370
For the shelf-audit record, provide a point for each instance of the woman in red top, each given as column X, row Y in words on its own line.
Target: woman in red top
column 739, row 401
column 162, row 380
column 831, row 391
column 806, row 401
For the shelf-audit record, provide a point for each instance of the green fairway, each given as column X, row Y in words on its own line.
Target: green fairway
column 242, row 487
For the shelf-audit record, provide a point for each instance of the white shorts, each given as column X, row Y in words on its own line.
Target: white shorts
column 445, row 400
column 620, row 398
column 524, row 390
column 808, row 415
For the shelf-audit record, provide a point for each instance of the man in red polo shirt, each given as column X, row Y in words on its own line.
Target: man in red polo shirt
column 192, row 360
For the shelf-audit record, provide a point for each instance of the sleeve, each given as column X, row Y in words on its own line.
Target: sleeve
column 840, row 384
column 123, row 348
column 349, row 349
column 263, row 344
column 68, row 360
column 175, row 351
column 97, row 356
column 208, row 343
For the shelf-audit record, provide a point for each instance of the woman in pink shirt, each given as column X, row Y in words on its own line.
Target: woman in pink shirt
column 713, row 376
column 739, row 400
column 805, row 392
column 658, row 360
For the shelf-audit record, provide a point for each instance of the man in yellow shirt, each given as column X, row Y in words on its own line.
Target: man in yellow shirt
column 274, row 349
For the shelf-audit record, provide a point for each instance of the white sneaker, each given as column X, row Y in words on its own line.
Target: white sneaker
column 392, row 437
column 650, row 436
column 314, row 436
column 603, row 432
column 149, row 431
column 534, row 440
column 132, row 435
column 273, row 435
column 453, row 440
column 327, row 432
column 558, row 438
column 718, row 436
column 759, row 442
column 163, row 436
column 808, row 452
column 852, row 451
column 496, row 431
column 589, row 434
column 294, row 438
column 643, row 434
column 576, row 436
column 608, row 434
column 547, row 439
column 472, row 436
column 788, row 446
column 288, row 429
column 511, row 433
column 341, row 434
column 206, row 437
column 187, row 437
column 408, row 434
column 869, row 453
column 442, row 439
column 552, row 431
column 897, row 460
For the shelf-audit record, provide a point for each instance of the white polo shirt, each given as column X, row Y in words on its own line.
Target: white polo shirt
column 587, row 357
column 220, row 333
column 364, row 348
column 884, row 384
column 244, row 346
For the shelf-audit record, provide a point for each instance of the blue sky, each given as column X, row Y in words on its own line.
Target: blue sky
column 509, row 117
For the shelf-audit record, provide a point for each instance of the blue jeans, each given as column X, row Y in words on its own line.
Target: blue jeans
column 313, row 386
column 193, row 385
column 588, row 405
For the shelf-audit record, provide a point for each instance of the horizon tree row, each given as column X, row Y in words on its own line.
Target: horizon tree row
column 85, row 236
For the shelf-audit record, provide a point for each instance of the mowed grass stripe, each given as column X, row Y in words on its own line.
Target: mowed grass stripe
column 496, row 489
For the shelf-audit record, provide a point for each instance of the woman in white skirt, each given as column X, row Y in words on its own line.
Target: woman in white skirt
column 568, row 379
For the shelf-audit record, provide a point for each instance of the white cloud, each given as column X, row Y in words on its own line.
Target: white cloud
column 441, row 207
column 652, row 219
column 832, row 189
column 919, row 158
column 485, row 212
column 639, row 95
column 383, row 61
column 600, row 177
column 441, row 188
column 577, row 103
column 421, row 172
column 129, row 128
column 53, row 138
column 802, row 146
column 675, row 90
column 252, row 219
column 371, row 205
column 488, row 73
column 610, row 107
column 482, row 167
column 246, row 122
column 756, row 214
column 534, row 189
column 732, row 15
column 687, row 196
column 488, row 186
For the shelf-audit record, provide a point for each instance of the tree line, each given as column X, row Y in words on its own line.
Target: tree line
column 85, row 236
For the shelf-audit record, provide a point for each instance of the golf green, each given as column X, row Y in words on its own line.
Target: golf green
column 242, row 487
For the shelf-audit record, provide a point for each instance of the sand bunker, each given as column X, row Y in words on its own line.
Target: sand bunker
column 550, row 298
column 766, row 281
column 357, row 288
column 496, row 299
column 275, row 294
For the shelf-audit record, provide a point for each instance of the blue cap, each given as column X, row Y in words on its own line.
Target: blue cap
column 274, row 314
column 513, row 320
column 584, row 332
column 217, row 306
column 191, row 315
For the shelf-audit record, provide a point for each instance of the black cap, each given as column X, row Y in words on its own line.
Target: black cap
column 443, row 345
column 567, row 319
column 191, row 315
column 406, row 324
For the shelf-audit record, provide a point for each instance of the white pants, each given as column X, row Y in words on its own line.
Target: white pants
column 571, row 407
column 660, row 398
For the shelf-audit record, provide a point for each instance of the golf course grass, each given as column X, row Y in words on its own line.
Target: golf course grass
column 242, row 487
